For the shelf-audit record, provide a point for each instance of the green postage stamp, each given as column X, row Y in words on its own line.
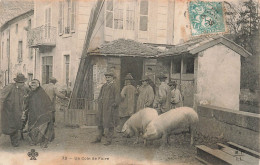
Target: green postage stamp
column 206, row 17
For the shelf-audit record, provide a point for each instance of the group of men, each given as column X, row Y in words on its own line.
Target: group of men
column 115, row 108
column 30, row 105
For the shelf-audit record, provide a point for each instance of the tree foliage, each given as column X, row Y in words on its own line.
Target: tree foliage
column 243, row 23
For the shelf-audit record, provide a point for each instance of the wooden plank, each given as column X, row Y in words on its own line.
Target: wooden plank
column 202, row 160
column 216, row 156
column 233, row 152
column 244, row 149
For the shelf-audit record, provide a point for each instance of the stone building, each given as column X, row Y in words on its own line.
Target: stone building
column 16, row 56
column 57, row 38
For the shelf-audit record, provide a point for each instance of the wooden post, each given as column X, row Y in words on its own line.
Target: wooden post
column 181, row 73
column 170, row 71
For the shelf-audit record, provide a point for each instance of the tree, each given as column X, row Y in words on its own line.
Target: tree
column 243, row 22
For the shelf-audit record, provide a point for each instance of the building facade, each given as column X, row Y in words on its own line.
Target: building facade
column 57, row 38
column 16, row 56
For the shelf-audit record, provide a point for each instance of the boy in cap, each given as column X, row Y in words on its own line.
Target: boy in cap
column 176, row 97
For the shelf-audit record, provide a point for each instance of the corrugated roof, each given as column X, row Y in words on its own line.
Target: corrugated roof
column 126, row 47
column 200, row 44
column 10, row 9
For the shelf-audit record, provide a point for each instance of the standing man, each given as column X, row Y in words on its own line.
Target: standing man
column 107, row 115
column 128, row 104
column 176, row 97
column 12, row 103
column 164, row 95
column 146, row 95
column 52, row 91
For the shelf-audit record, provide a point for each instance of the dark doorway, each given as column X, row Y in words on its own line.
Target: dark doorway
column 131, row 65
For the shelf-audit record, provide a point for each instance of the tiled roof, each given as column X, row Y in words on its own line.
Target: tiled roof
column 125, row 47
column 13, row 8
column 200, row 44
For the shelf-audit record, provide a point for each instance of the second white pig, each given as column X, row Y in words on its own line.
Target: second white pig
column 175, row 119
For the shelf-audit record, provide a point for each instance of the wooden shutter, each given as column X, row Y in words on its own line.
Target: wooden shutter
column 61, row 21
column 73, row 16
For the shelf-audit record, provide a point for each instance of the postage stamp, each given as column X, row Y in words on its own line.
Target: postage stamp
column 206, row 17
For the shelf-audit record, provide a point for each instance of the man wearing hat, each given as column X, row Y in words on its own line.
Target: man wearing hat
column 107, row 115
column 146, row 95
column 128, row 103
column 52, row 91
column 176, row 97
column 163, row 95
column 12, row 104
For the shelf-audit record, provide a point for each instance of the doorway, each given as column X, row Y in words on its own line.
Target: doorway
column 133, row 65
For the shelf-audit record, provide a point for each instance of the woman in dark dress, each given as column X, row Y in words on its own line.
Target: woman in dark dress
column 40, row 112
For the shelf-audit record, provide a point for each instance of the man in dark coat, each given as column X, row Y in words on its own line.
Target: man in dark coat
column 12, row 102
column 40, row 111
column 107, row 115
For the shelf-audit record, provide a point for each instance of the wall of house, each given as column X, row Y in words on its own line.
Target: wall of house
column 160, row 23
column 66, row 44
column 218, row 77
column 14, row 34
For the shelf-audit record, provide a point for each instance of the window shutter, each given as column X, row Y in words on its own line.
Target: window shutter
column 61, row 17
column 73, row 16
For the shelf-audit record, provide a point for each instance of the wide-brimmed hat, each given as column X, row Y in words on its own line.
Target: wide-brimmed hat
column 109, row 74
column 20, row 78
column 162, row 76
column 145, row 78
column 129, row 77
column 172, row 83
column 53, row 79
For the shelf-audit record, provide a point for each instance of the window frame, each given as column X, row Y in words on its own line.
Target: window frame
column 143, row 15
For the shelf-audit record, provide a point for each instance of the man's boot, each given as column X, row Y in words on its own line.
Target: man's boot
column 14, row 139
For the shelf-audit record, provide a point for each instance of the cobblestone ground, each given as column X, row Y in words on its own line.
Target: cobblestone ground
column 78, row 141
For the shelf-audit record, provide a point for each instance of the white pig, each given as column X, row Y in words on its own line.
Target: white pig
column 138, row 122
column 174, row 119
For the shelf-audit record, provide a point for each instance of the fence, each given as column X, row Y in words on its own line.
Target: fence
column 81, row 112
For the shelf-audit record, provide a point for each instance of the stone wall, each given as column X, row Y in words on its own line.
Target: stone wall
column 236, row 126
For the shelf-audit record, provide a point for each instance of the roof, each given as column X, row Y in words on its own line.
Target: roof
column 10, row 9
column 200, row 44
column 125, row 47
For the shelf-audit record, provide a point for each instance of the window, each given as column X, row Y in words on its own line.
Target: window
column 143, row 15
column 20, row 51
column 47, row 22
column 30, row 76
column 67, row 16
column 189, row 65
column 67, row 68
column 16, row 28
column 118, row 15
column 130, row 16
column 61, row 21
column 30, row 54
column 109, row 13
column 47, row 65
column 176, row 65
